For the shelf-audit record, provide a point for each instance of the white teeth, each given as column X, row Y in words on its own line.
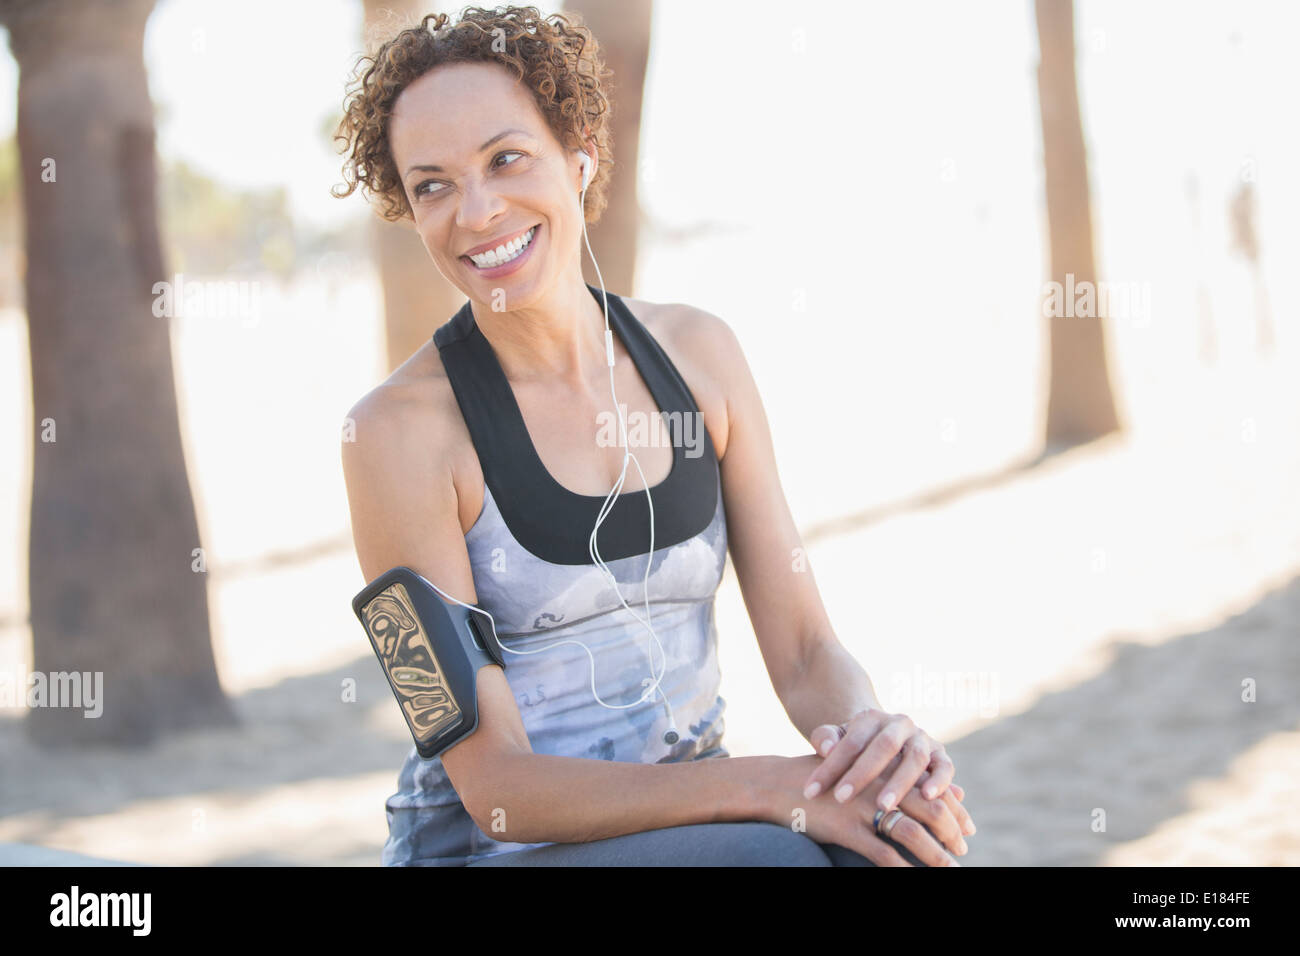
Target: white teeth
column 504, row 252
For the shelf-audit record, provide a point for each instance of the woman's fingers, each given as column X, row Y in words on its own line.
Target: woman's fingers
column 933, row 778
column 879, row 851
column 916, row 758
column 868, row 765
column 913, row 835
column 825, row 737
column 953, row 797
column 884, row 746
column 938, row 817
column 842, row 755
column 941, row 771
column 872, row 744
column 963, row 816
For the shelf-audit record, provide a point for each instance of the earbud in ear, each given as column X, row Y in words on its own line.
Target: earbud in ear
column 585, row 161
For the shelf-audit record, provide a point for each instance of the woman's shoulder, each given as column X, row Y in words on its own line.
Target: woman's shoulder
column 412, row 422
column 412, row 411
column 416, row 394
column 685, row 325
column 704, row 350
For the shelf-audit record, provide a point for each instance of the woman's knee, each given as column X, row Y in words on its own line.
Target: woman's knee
column 759, row 844
column 702, row 844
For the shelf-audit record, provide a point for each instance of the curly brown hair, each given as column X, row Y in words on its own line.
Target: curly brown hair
column 556, row 57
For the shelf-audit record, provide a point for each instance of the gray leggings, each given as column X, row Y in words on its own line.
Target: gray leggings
column 700, row 844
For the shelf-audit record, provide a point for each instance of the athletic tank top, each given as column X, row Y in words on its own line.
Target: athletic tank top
column 532, row 571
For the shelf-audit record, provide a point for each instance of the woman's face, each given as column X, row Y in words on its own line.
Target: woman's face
column 481, row 168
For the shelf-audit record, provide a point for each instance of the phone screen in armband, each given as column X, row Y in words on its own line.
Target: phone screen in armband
column 416, row 674
column 431, row 654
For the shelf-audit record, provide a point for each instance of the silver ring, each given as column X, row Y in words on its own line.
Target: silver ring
column 890, row 822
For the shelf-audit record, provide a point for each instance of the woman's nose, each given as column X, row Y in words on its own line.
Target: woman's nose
column 479, row 205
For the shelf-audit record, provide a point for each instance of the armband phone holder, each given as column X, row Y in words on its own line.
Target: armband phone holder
column 431, row 651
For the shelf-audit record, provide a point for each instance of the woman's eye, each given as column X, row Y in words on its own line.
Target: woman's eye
column 420, row 190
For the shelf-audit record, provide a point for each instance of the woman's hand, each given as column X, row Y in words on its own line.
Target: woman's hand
column 926, row 828
column 858, row 752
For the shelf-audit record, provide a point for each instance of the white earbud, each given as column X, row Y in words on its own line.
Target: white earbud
column 585, row 161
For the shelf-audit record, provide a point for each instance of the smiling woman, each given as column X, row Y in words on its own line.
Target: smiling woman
column 478, row 465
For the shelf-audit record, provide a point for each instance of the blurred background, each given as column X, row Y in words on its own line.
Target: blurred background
column 1010, row 277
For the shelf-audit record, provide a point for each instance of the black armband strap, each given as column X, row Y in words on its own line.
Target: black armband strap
column 431, row 650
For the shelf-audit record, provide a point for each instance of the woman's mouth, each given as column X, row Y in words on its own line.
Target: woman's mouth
column 505, row 258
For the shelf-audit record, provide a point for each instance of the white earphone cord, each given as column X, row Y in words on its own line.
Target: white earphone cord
column 593, row 549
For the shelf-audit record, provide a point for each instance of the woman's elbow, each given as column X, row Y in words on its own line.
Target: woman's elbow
column 494, row 795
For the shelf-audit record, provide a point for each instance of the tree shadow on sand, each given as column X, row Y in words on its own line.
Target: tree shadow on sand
column 1131, row 740
column 296, row 730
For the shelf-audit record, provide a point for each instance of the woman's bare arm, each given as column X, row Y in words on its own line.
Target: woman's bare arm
column 519, row 796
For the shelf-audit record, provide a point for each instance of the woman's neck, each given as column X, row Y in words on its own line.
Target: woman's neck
column 560, row 336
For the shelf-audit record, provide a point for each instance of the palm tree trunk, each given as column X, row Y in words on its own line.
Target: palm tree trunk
column 113, row 526
column 622, row 27
column 1080, row 405
column 417, row 299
